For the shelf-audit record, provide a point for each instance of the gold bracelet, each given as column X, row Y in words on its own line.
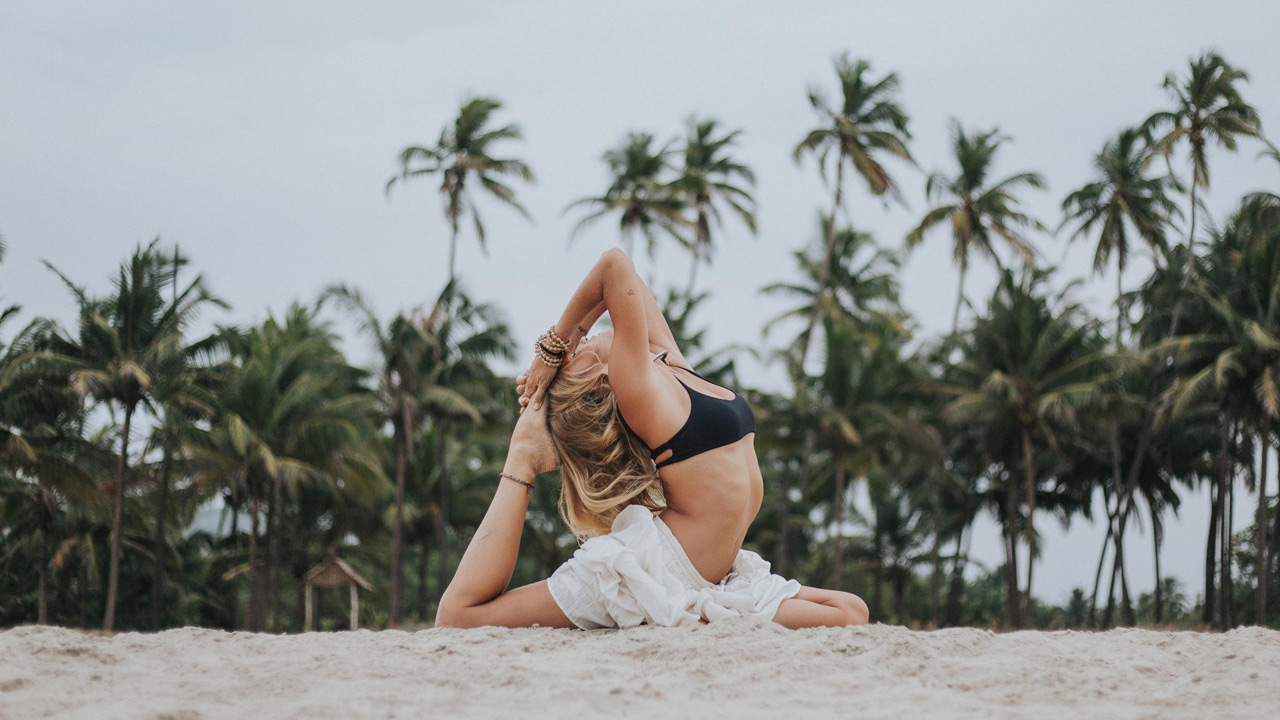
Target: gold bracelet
column 528, row 485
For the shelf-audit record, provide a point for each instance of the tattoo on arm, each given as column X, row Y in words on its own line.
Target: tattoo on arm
column 631, row 292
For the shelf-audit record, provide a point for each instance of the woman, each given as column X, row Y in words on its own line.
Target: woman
column 637, row 432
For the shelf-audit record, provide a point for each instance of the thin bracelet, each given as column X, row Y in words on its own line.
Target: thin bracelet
column 528, row 485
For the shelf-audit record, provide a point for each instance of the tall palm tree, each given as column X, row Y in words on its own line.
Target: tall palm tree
column 647, row 202
column 125, row 344
column 980, row 211
column 1119, row 202
column 406, row 390
column 1030, row 365
column 1207, row 107
column 1233, row 358
column 462, row 157
column 707, row 180
column 869, row 123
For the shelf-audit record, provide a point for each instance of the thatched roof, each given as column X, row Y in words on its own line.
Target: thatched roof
column 334, row 573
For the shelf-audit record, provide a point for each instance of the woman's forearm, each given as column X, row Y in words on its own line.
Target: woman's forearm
column 490, row 559
column 587, row 303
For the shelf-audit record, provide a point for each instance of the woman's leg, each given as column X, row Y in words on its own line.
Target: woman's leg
column 815, row 607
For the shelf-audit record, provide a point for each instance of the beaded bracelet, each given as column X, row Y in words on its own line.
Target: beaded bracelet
column 553, row 341
column 547, row 358
column 528, row 485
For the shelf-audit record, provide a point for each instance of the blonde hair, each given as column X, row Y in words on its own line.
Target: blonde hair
column 604, row 467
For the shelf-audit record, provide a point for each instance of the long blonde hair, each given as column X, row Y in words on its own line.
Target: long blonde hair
column 604, row 467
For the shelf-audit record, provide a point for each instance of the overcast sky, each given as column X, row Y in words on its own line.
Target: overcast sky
column 259, row 137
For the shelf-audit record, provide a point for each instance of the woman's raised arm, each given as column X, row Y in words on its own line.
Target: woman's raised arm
column 612, row 285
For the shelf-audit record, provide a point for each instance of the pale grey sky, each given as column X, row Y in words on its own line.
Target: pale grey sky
column 258, row 136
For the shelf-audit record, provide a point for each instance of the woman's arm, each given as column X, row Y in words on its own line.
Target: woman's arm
column 490, row 559
column 612, row 285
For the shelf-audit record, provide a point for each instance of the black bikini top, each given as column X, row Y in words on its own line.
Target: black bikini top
column 713, row 422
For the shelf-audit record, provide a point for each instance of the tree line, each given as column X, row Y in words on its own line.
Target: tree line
column 152, row 476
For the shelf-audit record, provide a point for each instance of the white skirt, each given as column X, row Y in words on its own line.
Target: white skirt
column 639, row 573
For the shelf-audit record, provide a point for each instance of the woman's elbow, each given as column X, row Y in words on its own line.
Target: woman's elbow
column 449, row 615
column 615, row 257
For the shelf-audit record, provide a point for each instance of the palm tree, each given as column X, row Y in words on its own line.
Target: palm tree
column 863, row 326
column 1207, row 106
column 645, row 201
column 1030, row 365
column 463, row 337
column 463, row 155
column 406, row 390
column 126, row 343
column 1232, row 357
column 981, row 212
column 706, row 180
column 291, row 411
column 869, row 123
column 1119, row 198
column 39, row 424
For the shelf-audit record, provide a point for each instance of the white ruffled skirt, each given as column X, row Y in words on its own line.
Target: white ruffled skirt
column 639, row 573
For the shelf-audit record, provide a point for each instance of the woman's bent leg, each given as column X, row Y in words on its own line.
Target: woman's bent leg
column 523, row 607
column 815, row 607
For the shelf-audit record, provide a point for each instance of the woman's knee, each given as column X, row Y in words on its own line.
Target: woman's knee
column 856, row 610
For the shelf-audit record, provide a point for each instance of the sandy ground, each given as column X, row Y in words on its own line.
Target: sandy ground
column 727, row 669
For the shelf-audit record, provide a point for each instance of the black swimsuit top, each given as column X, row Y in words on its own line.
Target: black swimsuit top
column 713, row 422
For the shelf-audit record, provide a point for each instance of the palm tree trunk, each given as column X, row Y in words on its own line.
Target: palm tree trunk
column 877, row 582
column 84, row 593
column 1102, row 559
column 1029, row 468
column 1228, row 545
column 1126, row 601
column 899, row 595
column 275, row 516
column 935, row 557
column 42, row 608
column 955, row 591
column 117, row 524
column 838, row 576
column 422, row 582
column 453, row 249
column 1011, row 554
column 397, row 532
column 255, row 579
column 162, row 506
column 1210, row 557
column 1263, row 563
column 1190, row 263
column 442, row 537
column 1157, row 532
column 955, row 314
column 783, row 550
column 824, row 272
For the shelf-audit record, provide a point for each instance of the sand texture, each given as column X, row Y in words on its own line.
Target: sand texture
column 729, row 669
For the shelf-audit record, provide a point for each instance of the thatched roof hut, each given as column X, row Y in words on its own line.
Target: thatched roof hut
column 331, row 573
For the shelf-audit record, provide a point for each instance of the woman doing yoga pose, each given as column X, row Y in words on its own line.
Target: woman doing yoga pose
column 659, row 480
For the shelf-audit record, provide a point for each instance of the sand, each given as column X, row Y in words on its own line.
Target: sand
column 727, row 669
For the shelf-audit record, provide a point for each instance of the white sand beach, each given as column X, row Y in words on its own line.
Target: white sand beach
column 728, row 669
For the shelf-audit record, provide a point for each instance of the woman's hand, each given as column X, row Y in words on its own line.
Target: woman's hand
column 532, row 384
column 531, row 441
